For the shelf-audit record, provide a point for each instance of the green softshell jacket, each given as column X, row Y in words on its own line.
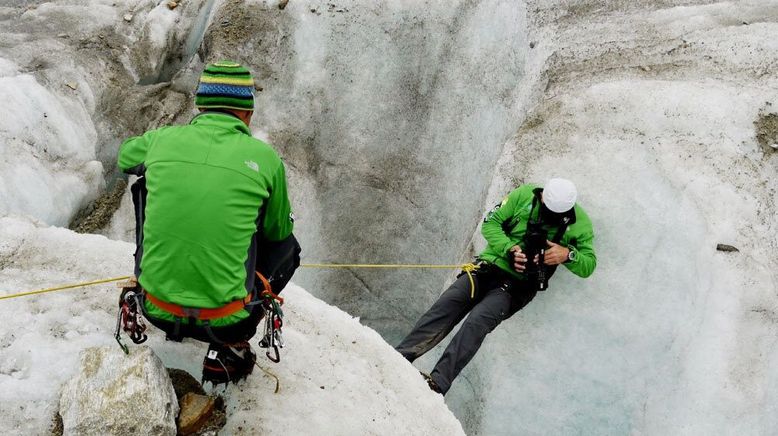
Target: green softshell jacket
column 212, row 189
column 578, row 237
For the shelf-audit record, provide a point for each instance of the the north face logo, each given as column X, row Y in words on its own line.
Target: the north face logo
column 253, row 165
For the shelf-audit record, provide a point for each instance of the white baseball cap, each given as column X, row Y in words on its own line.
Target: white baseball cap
column 559, row 195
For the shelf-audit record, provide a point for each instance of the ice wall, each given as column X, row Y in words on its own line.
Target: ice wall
column 48, row 173
column 660, row 128
column 390, row 117
column 69, row 78
column 47, row 136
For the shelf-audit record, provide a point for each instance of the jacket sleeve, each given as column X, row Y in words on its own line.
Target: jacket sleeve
column 278, row 222
column 492, row 228
column 585, row 259
column 132, row 153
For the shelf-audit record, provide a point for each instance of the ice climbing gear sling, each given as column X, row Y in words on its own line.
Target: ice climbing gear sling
column 274, row 320
column 128, row 318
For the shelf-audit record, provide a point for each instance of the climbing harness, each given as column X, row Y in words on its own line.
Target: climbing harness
column 199, row 313
column 272, row 339
column 128, row 318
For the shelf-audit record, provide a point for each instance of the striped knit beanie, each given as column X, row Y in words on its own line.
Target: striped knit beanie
column 225, row 85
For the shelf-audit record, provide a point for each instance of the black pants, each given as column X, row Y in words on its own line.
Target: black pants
column 497, row 297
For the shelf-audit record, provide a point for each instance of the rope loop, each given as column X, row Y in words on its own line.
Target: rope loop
column 470, row 268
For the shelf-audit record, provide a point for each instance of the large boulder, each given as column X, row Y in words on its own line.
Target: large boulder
column 118, row 394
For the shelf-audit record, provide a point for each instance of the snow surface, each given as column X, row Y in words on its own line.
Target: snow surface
column 337, row 376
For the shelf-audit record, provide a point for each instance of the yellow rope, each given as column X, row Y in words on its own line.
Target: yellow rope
column 382, row 265
column 270, row 374
column 59, row 288
column 467, row 267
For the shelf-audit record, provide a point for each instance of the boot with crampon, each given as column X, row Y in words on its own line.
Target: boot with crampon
column 228, row 363
column 431, row 383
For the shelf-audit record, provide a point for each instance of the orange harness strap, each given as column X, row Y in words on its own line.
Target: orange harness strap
column 268, row 291
column 204, row 313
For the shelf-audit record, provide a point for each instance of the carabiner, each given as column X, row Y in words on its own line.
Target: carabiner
column 278, row 355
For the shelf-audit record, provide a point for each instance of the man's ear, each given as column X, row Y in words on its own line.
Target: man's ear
column 245, row 116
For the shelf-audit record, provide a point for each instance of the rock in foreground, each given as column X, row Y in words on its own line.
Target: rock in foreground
column 118, row 394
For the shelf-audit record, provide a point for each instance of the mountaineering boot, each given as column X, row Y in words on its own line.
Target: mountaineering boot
column 431, row 383
column 228, row 362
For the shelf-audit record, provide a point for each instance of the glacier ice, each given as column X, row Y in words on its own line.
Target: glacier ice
column 402, row 122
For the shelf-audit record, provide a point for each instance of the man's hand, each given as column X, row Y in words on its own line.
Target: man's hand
column 519, row 258
column 555, row 254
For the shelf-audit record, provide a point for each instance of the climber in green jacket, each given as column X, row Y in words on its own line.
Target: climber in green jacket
column 211, row 210
column 529, row 234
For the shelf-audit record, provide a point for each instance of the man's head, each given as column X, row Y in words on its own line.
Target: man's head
column 228, row 86
column 559, row 195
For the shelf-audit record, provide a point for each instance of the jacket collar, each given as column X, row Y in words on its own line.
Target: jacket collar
column 223, row 119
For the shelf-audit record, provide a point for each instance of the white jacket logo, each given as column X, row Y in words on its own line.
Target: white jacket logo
column 253, row 165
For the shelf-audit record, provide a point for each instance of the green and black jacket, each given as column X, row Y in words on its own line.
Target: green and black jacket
column 506, row 225
column 213, row 192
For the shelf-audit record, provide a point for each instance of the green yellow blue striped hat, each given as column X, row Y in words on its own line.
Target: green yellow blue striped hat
column 225, row 85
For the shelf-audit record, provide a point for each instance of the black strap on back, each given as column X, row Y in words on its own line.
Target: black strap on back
column 139, row 193
column 566, row 220
column 561, row 230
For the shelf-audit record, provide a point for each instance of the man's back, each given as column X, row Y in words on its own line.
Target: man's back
column 209, row 186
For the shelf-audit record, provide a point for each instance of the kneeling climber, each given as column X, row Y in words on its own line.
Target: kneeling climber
column 213, row 224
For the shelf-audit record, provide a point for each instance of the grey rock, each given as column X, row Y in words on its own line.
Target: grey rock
column 118, row 394
column 726, row 248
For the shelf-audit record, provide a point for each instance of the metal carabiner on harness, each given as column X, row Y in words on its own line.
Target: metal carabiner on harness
column 129, row 318
column 272, row 337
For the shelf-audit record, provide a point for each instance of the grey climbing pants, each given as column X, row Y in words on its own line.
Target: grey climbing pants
column 497, row 297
